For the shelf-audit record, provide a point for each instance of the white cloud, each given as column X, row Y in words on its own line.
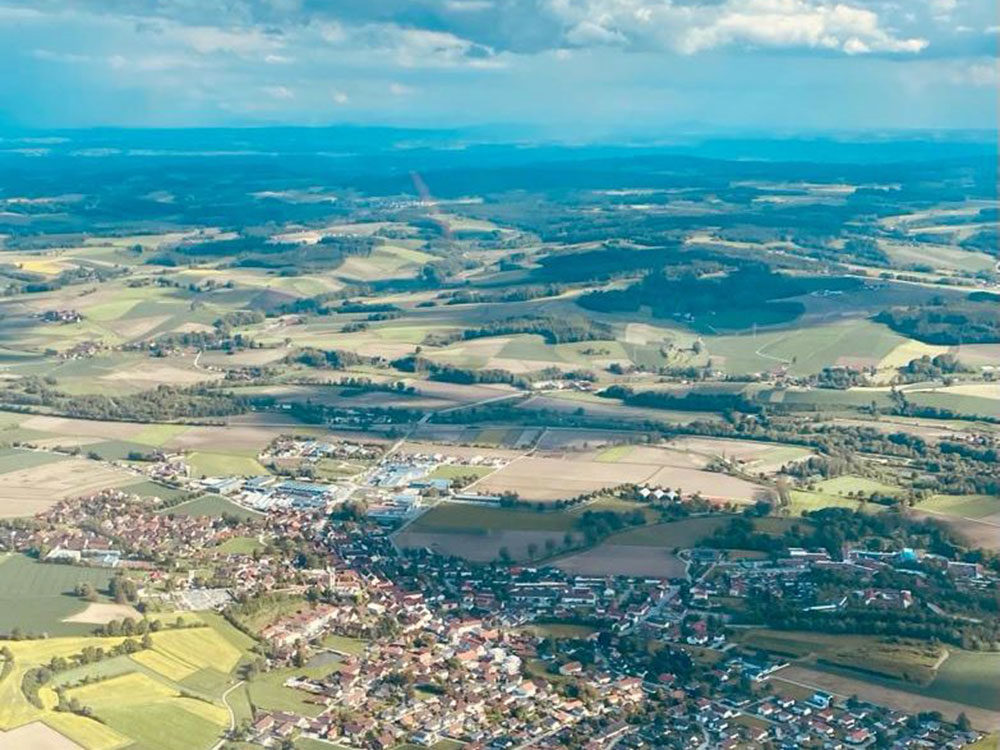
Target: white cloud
column 339, row 97
column 468, row 6
column 690, row 28
column 590, row 33
column 281, row 93
column 247, row 42
column 978, row 74
column 401, row 89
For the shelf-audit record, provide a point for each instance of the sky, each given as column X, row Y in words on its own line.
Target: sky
column 571, row 68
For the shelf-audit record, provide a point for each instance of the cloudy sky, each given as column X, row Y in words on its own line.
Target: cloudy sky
column 576, row 67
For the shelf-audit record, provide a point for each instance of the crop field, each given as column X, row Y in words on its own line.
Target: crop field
column 558, row 439
column 139, row 707
column 15, row 459
column 685, row 533
column 99, row 613
column 805, row 350
column 36, row 736
column 975, row 532
column 37, row 597
column 548, row 479
column 962, row 402
column 31, row 490
column 482, row 545
column 133, row 700
column 180, row 653
column 460, row 518
column 148, row 488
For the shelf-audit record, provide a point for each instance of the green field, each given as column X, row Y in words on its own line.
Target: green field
column 224, row 464
column 240, row 545
column 211, row 505
column 559, row 630
column 848, row 484
column 140, row 707
column 803, row 501
column 344, row 644
column 685, row 533
column 13, row 459
column 148, row 488
column 268, row 691
column 965, row 506
column 908, row 660
column 804, row 350
column 459, row 518
column 37, row 596
column 614, row 453
column 451, row 472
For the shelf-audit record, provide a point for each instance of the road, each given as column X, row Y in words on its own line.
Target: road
column 232, row 716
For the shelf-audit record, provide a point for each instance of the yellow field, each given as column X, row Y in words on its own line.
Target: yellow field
column 207, row 711
column 134, row 689
column 93, row 735
column 45, row 266
column 123, row 700
column 908, row 351
column 169, row 667
column 197, row 647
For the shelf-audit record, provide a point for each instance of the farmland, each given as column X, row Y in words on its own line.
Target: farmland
column 630, row 352
column 38, row 598
column 176, row 683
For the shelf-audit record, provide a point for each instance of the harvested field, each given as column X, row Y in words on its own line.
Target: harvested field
column 976, row 532
column 36, row 736
column 542, row 479
column 32, row 490
column 246, row 440
column 624, row 560
column 560, row 439
column 902, row 700
column 754, row 455
column 458, row 451
column 99, row 613
column 611, row 409
column 83, row 427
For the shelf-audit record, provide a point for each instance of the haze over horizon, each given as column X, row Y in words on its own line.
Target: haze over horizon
column 575, row 68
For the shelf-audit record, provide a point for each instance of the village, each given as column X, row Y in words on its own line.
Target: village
column 505, row 655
